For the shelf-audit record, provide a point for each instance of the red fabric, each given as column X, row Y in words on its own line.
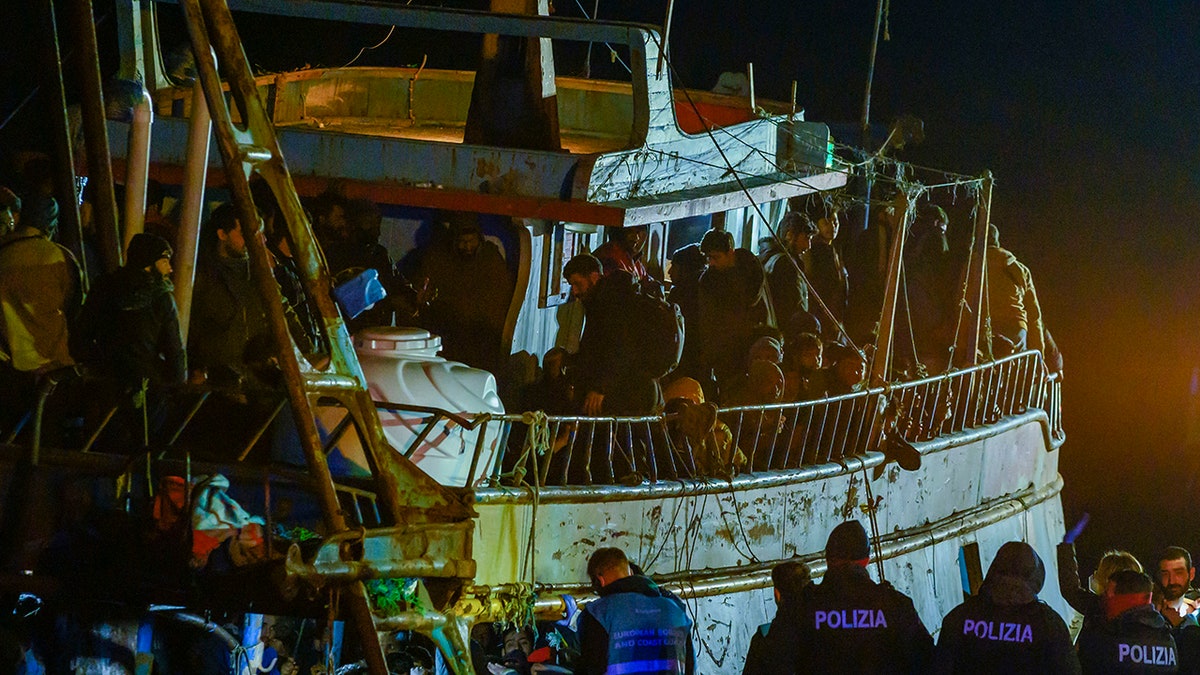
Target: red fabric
column 541, row 655
column 861, row 562
column 1116, row 604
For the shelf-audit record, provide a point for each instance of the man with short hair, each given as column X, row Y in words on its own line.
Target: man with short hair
column 734, row 302
column 1174, row 574
column 635, row 626
column 790, row 579
column 789, row 287
column 608, row 379
column 1005, row 628
column 1134, row 638
column 849, row 623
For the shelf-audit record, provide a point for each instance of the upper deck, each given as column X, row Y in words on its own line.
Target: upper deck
column 632, row 153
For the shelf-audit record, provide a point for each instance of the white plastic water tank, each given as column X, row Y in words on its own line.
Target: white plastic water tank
column 402, row 366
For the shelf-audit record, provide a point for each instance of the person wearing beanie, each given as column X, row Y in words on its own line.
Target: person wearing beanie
column 1134, row 638
column 129, row 327
column 848, row 623
column 1005, row 628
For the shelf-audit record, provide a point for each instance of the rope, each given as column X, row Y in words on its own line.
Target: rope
column 872, row 509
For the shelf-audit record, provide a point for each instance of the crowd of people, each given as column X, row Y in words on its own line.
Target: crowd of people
column 851, row 623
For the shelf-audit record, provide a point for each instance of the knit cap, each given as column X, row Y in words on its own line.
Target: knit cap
column 145, row 249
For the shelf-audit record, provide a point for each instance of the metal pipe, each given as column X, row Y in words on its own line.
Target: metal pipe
column 95, row 132
column 137, row 166
column 195, row 173
column 70, row 230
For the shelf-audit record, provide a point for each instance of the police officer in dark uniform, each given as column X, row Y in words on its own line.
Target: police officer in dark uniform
column 1005, row 628
column 1135, row 638
column 635, row 627
column 850, row 624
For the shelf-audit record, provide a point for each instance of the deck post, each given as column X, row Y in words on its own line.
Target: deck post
column 966, row 344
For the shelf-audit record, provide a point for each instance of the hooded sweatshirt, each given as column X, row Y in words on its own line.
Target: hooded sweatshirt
column 1005, row 628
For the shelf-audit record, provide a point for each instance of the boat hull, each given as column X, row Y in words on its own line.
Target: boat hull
column 715, row 542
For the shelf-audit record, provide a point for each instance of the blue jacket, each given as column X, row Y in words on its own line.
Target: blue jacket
column 635, row 627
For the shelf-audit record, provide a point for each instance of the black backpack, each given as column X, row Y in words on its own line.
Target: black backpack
column 659, row 328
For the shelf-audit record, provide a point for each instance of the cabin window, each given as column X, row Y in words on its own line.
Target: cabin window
column 970, row 569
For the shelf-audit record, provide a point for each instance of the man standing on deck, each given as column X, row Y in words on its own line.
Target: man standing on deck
column 1175, row 575
column 850, row 624
column 606, row 377
column 734, row 302
column 789, row 288
column 635, row 627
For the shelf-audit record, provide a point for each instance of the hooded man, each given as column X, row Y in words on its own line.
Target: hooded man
column 1005, row 628
column 1135, row 638
column 849, row 623
column 129, row 326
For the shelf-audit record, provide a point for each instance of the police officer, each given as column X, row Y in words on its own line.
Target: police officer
column 850, row 624
column 790, row 578
column 635, row 627
column 1135, row 638
column 1005, row 628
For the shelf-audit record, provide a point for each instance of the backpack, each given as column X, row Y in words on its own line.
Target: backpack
column 659, row 327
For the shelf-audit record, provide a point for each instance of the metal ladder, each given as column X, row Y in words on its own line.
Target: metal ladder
column 430, row 528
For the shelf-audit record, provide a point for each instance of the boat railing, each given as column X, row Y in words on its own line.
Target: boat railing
column 564, row 450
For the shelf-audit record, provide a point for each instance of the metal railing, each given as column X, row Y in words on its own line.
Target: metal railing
column 533, row 448
column 573, row 450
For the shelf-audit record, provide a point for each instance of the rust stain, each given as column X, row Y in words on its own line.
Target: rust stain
column 485, row 168
column 587, row 541
column 724, row 533
column 761, row 530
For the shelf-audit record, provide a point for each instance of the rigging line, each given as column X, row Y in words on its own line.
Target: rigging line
column 612, row 53
column 376, row 46
column 962, row 296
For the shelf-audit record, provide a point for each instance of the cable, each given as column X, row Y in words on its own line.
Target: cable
column 376, row 46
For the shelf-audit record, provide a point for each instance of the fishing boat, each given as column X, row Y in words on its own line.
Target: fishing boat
column 505, row 533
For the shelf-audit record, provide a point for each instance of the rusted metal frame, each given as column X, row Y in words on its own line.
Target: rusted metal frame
column 477, row 452
column 187, row 419
column 335, row 436
column 50, row 62
column 468, row 424
column 422, row 435
column 95, row 436
column 95, row 127
column 262, row 429
column 881, row 359
column 214, row 19
column 966, row 343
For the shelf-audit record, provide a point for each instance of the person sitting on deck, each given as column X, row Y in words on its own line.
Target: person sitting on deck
column 804, row 380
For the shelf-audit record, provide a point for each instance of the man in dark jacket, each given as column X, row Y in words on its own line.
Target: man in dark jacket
column 1135, row 638
column 607, row 378
column 635, row 627
column 850, row 624
column 734, row 301
column 129, row 326
column 1005, row 628
column 789, row 287
column 790, row 579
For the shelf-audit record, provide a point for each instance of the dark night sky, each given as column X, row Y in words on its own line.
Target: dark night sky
column 1089, row 116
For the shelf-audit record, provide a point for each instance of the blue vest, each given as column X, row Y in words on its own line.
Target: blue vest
column 646, row 635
